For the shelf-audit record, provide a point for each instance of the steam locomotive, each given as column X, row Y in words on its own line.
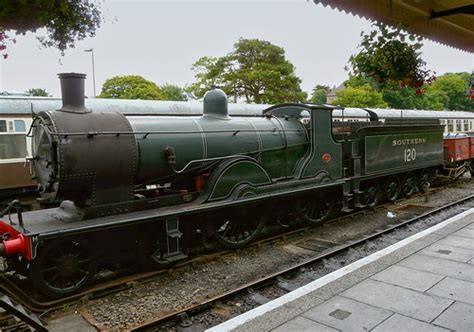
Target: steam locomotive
column 134, row 187
column 16, row 117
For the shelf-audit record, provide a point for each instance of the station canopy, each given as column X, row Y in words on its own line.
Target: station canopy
column 447, row 22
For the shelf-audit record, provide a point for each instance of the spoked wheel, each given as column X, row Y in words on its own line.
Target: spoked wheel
column 238, row 231
column 392, row 190
column 424, row 180
column 317, row 210
column 371, row 194
column 409, row 184
column 63, row 267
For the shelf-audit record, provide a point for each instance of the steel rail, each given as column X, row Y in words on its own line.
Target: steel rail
column 267, row 279
column 21, row 295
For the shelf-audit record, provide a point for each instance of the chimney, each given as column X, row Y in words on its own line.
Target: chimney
column 72, row 91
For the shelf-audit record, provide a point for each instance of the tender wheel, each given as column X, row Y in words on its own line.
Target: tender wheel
column 424, row 180
column 63, row 267
column 236, row 232
column 371, row 194
column 392, row 190
column 409, row 184
column 317, row 210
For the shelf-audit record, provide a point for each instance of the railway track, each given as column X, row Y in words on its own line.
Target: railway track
column 182, row 316
column 21, row 293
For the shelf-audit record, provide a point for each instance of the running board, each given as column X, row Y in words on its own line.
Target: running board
column 21, row 314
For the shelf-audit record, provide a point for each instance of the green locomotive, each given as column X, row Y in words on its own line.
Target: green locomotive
column 147, row 187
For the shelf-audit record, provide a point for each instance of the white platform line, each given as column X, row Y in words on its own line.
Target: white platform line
column 312, row 286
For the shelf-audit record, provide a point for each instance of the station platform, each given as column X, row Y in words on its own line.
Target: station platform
column 422, row 283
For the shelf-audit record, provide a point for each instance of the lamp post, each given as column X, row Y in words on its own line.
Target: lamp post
column 91, row 50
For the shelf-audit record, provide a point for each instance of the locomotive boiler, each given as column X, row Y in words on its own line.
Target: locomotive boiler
column 103, row 158
column 135, row 188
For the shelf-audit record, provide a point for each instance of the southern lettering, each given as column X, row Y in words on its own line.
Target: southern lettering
column 409, row 141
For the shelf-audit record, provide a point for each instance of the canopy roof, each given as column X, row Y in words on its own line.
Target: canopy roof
column 447, row 22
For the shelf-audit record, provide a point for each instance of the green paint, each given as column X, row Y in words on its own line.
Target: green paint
column 232, row 177
column 399, row 151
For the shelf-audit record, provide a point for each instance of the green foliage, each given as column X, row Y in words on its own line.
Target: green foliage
column 130, row 87
column 452, row 87
column 448, row 91
column 255, row 70
column 209, row 72
column 173, row 92
column 390, row 57
column 65, row 21
column 406, row 98
column 319, row 94
column 37, row 92
column 359, row 81
column 359, row 97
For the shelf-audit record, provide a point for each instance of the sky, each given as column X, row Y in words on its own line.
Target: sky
column 160, row 40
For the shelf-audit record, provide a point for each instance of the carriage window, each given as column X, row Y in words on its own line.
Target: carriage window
column 450, row 126
column 466, row 125
column 3, row 126
column 13, row 146
column 458, row 125
column 20, row 126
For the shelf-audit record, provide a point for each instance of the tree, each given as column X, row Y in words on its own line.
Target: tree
column 319, row 94
column 359, row 97
column 37, row 92
column 130, row 87
column 209, row 73
column 255, row 70
column 407, row 98
column 448, row 91
column 391, row 58
column 173, row 92
column 453, row 87
column 65, row 21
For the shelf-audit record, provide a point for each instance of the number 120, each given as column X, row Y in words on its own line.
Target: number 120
column 410, row 155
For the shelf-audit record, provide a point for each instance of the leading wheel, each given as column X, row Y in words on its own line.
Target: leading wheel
column 317, row 210
column 409, row 184
column 238, row 231
column 63, row 267
column 371, row 194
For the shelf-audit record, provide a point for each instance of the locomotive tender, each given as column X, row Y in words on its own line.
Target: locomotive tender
column 136, row 187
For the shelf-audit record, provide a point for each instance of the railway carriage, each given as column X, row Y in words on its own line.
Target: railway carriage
column 14, row 172
column 150, row 187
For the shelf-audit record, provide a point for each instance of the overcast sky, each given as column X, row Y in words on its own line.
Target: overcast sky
column 160, row 40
